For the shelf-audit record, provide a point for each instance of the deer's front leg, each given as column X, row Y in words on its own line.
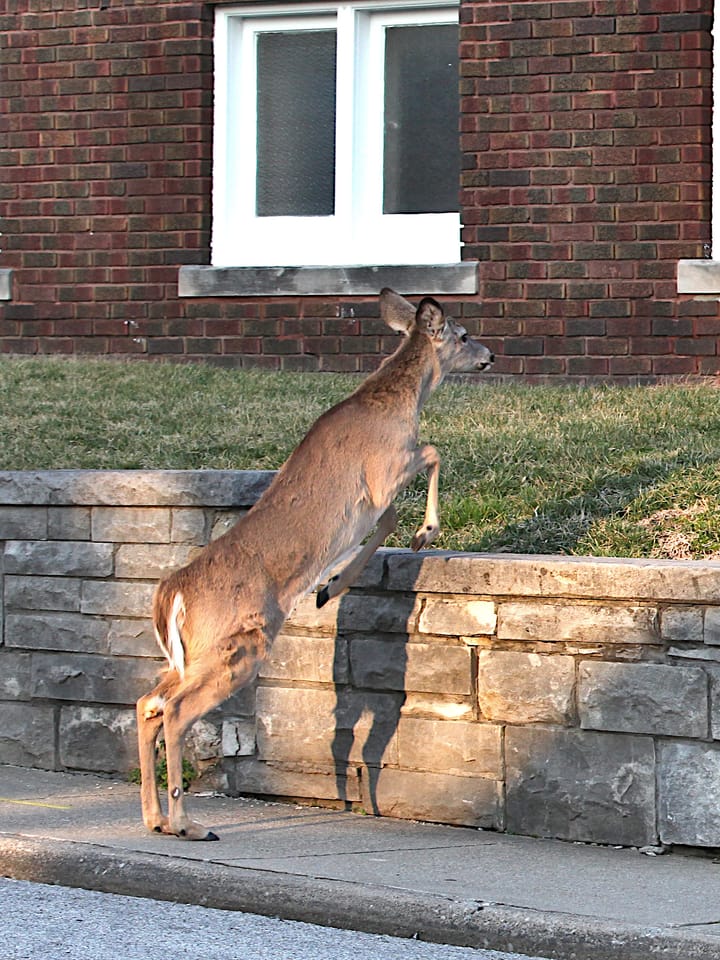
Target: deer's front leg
column 428, row 459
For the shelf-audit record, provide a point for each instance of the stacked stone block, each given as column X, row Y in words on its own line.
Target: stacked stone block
column 548, row 696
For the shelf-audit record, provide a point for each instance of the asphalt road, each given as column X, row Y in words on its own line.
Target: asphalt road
column 39, row 922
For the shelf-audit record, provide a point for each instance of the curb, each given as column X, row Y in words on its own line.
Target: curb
column 343, row 904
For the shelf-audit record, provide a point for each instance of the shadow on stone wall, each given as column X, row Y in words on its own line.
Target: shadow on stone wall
column 369, row 673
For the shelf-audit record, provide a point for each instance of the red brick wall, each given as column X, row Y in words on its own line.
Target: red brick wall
column 586, row 142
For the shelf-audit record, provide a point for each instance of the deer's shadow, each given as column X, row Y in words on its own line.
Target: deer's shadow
column 369, row 673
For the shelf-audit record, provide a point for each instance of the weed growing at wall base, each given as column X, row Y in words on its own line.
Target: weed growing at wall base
column 605, row 471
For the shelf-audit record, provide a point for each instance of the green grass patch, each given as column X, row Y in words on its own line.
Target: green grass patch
column 607, row 471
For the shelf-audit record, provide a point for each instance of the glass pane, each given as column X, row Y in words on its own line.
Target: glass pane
column 296, row 124
column 422, row 110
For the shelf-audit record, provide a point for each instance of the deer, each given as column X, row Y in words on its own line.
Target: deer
column 215, row 619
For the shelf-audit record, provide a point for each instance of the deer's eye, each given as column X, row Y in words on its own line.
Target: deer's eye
column 463, row 338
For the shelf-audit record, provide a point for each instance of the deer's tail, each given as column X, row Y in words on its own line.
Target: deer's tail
column 168, row 618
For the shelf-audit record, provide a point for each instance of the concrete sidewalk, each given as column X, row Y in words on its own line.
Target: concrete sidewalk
column 446, row 884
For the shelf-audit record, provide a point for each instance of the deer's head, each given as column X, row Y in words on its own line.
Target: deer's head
column 456, row 351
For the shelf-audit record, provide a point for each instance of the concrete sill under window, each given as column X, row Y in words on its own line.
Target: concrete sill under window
column 699, row 277
column 5, row 284
column 450, row 278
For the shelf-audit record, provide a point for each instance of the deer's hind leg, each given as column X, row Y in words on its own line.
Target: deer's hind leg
column 149, row 711
column 204, row 687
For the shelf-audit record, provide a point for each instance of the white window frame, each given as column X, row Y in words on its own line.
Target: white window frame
column 358, row 232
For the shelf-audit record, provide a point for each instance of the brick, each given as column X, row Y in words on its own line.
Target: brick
column 525, row 687
column 594, row 623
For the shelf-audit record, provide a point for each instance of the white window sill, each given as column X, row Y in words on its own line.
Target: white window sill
column 450, row 278
column 5, row 284
column 699, row 277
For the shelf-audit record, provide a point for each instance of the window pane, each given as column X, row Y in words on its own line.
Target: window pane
column 296, row 124
column 422, row 156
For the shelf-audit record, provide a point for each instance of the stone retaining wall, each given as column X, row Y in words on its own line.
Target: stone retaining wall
column 568, row 697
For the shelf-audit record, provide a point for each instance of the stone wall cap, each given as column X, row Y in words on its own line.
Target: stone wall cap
column 200, row 488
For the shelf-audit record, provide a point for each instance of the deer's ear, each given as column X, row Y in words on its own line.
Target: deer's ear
column 430, row 317
column 395, row 310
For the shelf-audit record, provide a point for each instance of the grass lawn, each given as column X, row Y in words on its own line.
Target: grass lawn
column 607, row 471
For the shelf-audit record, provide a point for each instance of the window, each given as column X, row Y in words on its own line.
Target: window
column 336, row 135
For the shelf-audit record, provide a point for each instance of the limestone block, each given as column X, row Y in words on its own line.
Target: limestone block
column 392, row 664
column 580, row 785
column 214, row 488
column 69, row 523
column 451, row 747
column 101, row 739
column 189, row 525
column 579, row 623
column 58, row 558
column 458, row 617
column 151, row 561
column 463, row 801
column 238, row 738
column 131, row 524
column 42, row 593
column 683, row 581
column 435, row 707
column 306, row 616
column 525, row 687
column 317, row 659
column 388, row 613
column 86, row 678
column 224, row 521
column 27, row 735
column 319, row 725
column 688, row 787
column 57, row 631
column 286, row 779
column 664, row 700
column 23, row 523
column 118, row 598
column 682, row 624
column 15, row 678
column 711, row 633
column 133, row 638
column 203, row 741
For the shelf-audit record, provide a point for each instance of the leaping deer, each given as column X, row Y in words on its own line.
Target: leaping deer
column 216, row 618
